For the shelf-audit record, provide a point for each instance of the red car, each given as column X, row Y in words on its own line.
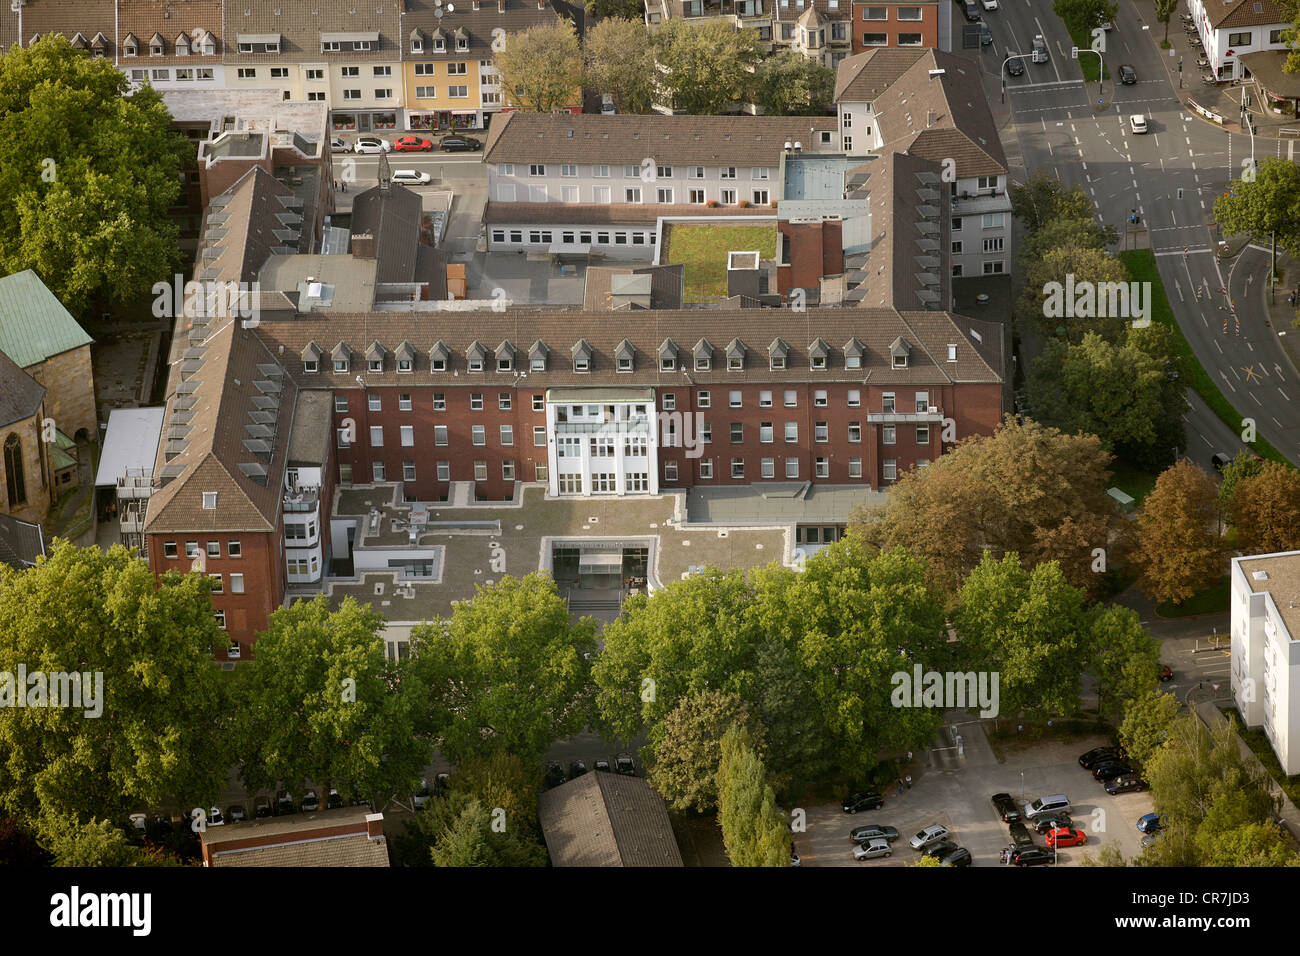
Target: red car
column 1065, row 836
column 412, row 144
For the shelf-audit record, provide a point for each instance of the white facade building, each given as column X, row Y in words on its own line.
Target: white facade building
column 1230, row 30
column 602, row 441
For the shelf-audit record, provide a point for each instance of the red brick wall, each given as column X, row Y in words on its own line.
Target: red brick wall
column 927, row 26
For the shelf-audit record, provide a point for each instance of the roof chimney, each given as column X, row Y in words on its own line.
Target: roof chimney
column 374, row 825
column 385, row 175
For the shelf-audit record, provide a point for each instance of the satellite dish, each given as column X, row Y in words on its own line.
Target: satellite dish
column 451, row 8
column 438, row 14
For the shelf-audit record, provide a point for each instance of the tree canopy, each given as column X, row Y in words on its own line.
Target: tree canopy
column 620, row 61
column 791, row 84
column 541, row 67
column 1178, row 547
column 705, row 68
column 1269, row 205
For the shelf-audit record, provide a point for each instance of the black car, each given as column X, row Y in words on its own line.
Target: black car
column 1015, row 66
column 333, row 799
column 554, row 775
column 600, row 766
column 262, row 808
column 1032, row 856
column 940, row 848
column 1020, row 834
column 625, row 765
column 1109, row 771
column 1052, row 821
column 1099, row 755
column 284, row 804
column 957, row 856
column 873, row 831
column 459, row 144
column 1006, row 807
column 441, row 784
column 865, row 800
column 310, row 802
column 1126, row 783
column 972, row 9
column 1127, row 75
column 576, row 769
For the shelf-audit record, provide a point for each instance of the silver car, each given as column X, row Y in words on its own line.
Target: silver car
column 872, row 849
column 931, row 834
column 371, row 144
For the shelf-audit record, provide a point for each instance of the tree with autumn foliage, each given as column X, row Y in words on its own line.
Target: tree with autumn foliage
column 1265, row 510
column 1178, row 547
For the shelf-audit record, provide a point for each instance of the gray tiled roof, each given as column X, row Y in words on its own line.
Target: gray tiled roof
column 21, row 542
column 69, row 17
column 627, row 139
column 864, row 76
column 607, row 819
column 300, row 24
column 392, row 215
column 421, row 15
column 20, row 394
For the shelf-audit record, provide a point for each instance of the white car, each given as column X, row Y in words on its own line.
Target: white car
column 340, row 146
column 1137, row 123
column 931, row 834
column 990, row 4
column 371, row 144
column 411, row 177
column 873, row 849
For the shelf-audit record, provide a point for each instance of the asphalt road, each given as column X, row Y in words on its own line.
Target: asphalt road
column 1170, row 176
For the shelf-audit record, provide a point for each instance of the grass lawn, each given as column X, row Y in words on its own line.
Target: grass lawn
column 1142, row 268
column 1088, row 62
column 1258, row 743
column 703, row 250
column 1135, row 483
column 1209, row 601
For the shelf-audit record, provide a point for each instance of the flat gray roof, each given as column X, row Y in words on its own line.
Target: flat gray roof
column 352, row 280
column 130, row 442
column 783, row 502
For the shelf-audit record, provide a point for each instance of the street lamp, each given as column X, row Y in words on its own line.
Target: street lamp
column 1003, row 76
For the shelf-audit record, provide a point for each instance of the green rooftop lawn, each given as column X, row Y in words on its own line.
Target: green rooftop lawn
column 703, row 251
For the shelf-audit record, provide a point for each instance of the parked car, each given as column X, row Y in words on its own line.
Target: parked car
column 989, row 4
column 459, row 144
column 412, row 144
column 958, row 856
column 310, row 802
column 1052, row 821
column 873, row 831
column 1015, row 66
column 333, row 799
column 931, row 834
column 863, row 800
column 554, row 775
column 284, row 804
column 986, row 35
column 340, row 146
column 609, row 109
column 939, row 848
column 411, row 177
column 1166, row 673
column 625, row 765
column 1109, row 771
column 1020, row 834
column 140, row 821
column 576, row 769
column 1099, row 755
column 1066, row 836
column 421, row 796
column 1220, row 461
column 1127, row 75
column 972, row 10
column 1127, row 783
column 1056, row 803
column 371, row 144
column 1150, row 823
column 872, row 849
column 262, row 808
column 236, row 813
column 215, row 819
column 1039, row 52
column 1006, row 807
column 1032, row 856
column 1151, row 839
column 600, row 765
column 1138, row 124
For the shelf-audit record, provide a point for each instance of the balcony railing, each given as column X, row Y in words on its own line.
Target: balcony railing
column 930, row 416
column 305, row 499
column 131, row 518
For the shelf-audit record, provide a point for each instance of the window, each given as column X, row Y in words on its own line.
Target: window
column 1275, row 36
column 956, row 247
column 760, row 197
column 376, row 436
column 737, row 433
column 888, row 434
column 507, row 435
column 440, row 434
column 373, row 402
column 765, row 399
column 765, row 433
column 479, row 433
column 408, row 435
column 848, row 144
column 923, row 434
column 320, row 74
column 476, row 401
column 246, row 73
column 670, row 402
column 792, row 467
column 855, row 432
column 922, row 402
column 855, row 467
column 875, row 39
column 993, row 245
column 221, row 618
column 600, row 172
column 508, row 470
column 408, row 471
column 855, row 398
column 734, row 398
column 728, row 197
column 404, row 402
column 706, row 433
column 737, row 468
column 791, row 398
column 539, row 402
column 823, row 468
column 706, row 468
column 569, row 170
column 875, row 13
column 480, row 471
column 539, row 436
column 664, row 195
column 169, row 549
column 209, row 501
column 236, row 584
column 791, row 433
column 352, row 94
column 956, row 271
column 670, row 471
column 819, row 398
column 311, row 366
column 456, row 69
column 378, row 472
column 727, row 172
column 191, row 549
column 444, row 471
column 768, row 468
column 632, row 194
column 315, row 97
column 992, row 220
column 887, row 402
column 503, row 401
column 384, row 93
column 909, row 13
column 664, row 172
column 1239, row 39
column 909, row 39
column 234, row 549
column 821, row 432
column 695, row 197
column 987, row 182
column 703, row 400
column 993, row 268
column 889, row 470
column 189, row 74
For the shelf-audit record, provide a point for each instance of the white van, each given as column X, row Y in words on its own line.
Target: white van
column 1056, row 803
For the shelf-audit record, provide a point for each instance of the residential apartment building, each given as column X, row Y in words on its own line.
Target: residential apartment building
column 920, row 24
column 1233, row 29
column 172, row 46
column 88, row 24
column 928, row 104
column 1265, row 650
column 818, row 29
column 602, row 184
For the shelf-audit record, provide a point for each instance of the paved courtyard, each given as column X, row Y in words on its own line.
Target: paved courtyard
column 472, row 556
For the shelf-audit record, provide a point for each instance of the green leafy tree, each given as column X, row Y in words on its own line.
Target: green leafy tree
column 1147, row 719
column 620, row 61
column 1265, row 509
column 507, row 672
column 687, row 748
column 1044, row 199
column 753, row 831
column 1265, row 207
column 1076, row 232
column 1130, row 399
column 1028, row 488
column 1084, row 15
column 1164, row 13
column 88, row 170
column 705, row 68
column 626, row 9
column 791, row 84
column 1178, row 546
column 160, row 721
column 1243, row 466
column 1107, row 855
column 1122, row 656
column 472, row 837
column 97, row 843
column 541, row 67
column 322, row 703
column 1029, row 626
column 1049, row 302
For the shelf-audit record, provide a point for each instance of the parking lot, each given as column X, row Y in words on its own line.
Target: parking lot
column 956, row 791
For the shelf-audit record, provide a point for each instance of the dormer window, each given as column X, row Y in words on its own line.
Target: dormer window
column 438, row 356
column 817, row 354
column 582, row 356
column 703, row 356
column 778, row 363
column 376, row 365
column 340, row 365
column 505, row 356
column 952, row 353
column 439, row 45
column 625, row 356
column 537, row 357
column 311, row 366
column 703, row 363
column 474, row 357
column 853, row 353
column 667, row 363
column 155, row 45
column 130, row 46
column 438, row 365
column 182, row 45
column 819, row 361
column 899, row 350
column 735, row 363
